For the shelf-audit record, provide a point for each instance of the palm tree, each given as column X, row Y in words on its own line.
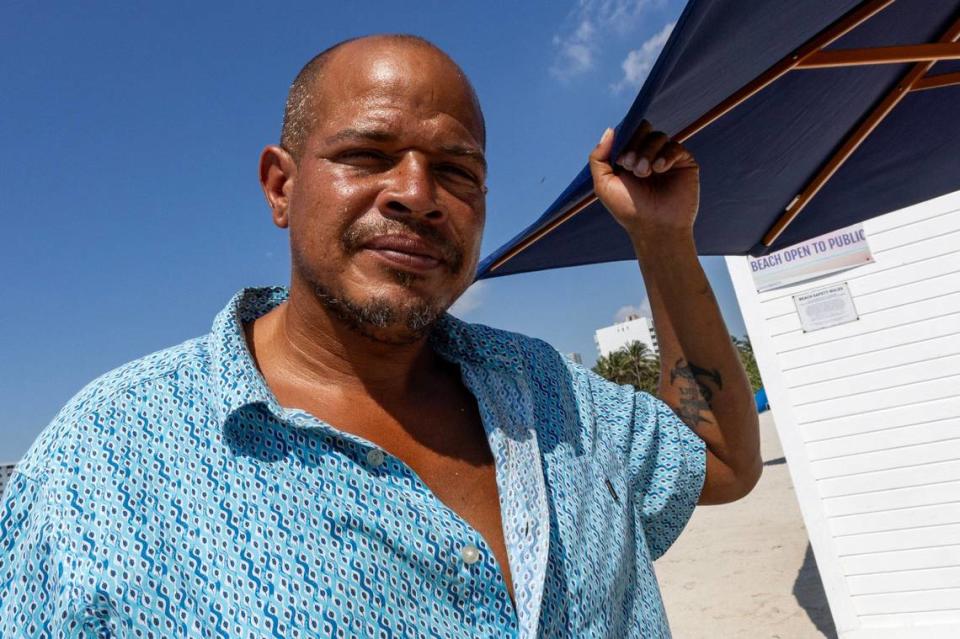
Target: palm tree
column 607, row 367
column 644, row 366
column 634, row 364
column 637, row 365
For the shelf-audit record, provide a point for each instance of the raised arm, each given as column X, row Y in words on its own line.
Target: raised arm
column 654, row 195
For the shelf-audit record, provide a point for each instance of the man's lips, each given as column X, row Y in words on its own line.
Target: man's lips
column 405, row 250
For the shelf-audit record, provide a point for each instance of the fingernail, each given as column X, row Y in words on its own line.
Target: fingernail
column 606, row 133
column 642, row 166
column 628, row 160
column 659, row 165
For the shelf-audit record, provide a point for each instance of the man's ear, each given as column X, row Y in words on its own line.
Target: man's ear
column 278, row 171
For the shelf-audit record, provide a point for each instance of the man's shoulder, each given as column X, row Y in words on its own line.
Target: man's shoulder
column 530, row 358
column 134, row 374
column 533, row 358
column 120, row 389
column 495, row 347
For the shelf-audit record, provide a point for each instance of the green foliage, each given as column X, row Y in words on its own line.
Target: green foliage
column 637, row 365
column 634, row 364
column 745, row 348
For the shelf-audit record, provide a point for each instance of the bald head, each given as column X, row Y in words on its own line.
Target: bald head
column 304, row 105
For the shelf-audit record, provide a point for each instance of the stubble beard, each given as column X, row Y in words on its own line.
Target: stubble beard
column 378, row 317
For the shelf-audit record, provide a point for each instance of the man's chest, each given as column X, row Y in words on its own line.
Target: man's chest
column 445, row 447
column 303, row 522
column 322, row 540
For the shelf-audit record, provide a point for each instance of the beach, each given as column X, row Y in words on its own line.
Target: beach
column 745, row 570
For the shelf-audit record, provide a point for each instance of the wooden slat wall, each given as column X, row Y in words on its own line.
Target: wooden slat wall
column 874, row 412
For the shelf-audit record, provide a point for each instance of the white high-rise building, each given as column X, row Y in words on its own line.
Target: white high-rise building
column 633, row 329
column 5, row 471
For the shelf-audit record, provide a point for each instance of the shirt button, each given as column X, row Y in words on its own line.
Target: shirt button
column 470, row 554
column 375, row 457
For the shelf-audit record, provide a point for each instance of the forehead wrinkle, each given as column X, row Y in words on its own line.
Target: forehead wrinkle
column 371, row 134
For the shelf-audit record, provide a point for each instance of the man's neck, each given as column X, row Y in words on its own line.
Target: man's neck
column 310, row 347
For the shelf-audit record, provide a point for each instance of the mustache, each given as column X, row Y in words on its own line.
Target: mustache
column 363, row 231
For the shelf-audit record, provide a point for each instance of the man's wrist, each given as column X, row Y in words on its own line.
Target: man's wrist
column 660, row 244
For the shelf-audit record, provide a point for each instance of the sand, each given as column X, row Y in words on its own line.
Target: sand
column 745, row 570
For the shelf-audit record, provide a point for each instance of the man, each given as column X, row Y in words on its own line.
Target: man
column 345, row 459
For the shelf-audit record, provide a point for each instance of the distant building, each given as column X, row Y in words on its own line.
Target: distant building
column 574, row 357
column 5, row 471
column 633, row 329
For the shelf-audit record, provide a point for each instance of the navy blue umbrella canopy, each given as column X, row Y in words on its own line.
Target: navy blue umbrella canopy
column 804, row 117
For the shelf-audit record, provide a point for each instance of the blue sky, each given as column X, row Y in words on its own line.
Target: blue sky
column 128, row 181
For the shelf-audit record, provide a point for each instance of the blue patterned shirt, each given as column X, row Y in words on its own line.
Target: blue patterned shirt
column 175, row 497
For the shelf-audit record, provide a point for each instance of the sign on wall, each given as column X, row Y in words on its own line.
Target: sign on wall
column 825, row 307
column 829, row 253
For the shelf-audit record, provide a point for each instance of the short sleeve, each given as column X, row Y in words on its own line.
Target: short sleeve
column 35, row 599
column 667, row 464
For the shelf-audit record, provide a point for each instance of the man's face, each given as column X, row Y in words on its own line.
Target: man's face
column 387, row 208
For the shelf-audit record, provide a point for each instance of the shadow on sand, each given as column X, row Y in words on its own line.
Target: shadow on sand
column 808, row 589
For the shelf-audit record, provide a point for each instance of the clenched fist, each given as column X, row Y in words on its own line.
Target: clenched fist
column 654, row 191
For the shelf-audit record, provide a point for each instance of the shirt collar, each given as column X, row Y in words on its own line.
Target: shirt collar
column 237, row 381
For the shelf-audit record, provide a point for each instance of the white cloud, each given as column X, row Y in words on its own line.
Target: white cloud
column 574, row 53
column 620, row 15
column 642, row 309
column 638, row 62
column 471, row 299
column 587, row 26
column 585, row 31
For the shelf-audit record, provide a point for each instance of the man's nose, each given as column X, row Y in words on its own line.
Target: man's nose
column 411, row 190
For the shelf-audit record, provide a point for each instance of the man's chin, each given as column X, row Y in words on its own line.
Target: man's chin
column 383, row 319
column 395, row 335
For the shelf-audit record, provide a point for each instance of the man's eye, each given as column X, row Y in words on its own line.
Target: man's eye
column 368, row 156
column 457, row 172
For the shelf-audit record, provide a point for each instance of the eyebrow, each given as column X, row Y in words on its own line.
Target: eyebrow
column 372, row 135
column 381, row 136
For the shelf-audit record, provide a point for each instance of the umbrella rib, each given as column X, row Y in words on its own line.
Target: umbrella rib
column 882, row 55
column 843, row 25
column 937, row 81
column 879, row 113
column 545, row 230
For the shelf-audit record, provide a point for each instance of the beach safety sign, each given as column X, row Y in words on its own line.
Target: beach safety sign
column 829, row 253
column 825, row 307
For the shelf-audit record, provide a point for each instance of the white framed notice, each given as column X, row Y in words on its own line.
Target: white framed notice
column 825, row 307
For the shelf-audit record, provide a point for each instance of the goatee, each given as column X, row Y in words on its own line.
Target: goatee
column 374, row 317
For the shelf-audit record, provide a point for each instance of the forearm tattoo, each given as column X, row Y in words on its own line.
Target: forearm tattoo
column 696, row 390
